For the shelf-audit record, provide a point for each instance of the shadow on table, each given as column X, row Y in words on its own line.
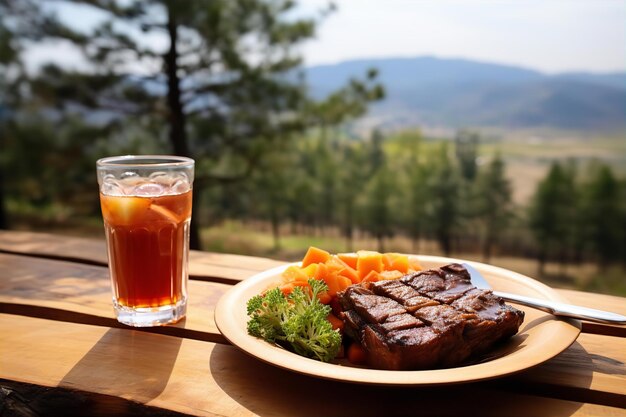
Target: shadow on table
column 268, row 390
column 126, row 365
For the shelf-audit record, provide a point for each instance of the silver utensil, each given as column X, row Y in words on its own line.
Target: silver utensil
column 552, row 307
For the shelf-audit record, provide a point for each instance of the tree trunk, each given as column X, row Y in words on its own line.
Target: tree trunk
column 349, row 226
column 177, row 120
column 542, row 262
column 380, row 238
column 487, row 245
column 275, row 228
column 4, row 223
column 445, row 242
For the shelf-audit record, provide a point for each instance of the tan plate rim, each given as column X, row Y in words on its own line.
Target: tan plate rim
column 230, row 318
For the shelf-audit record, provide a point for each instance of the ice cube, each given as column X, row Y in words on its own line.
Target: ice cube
column 110, row 186
column 175, row 176
column 157, row 174
column 179, row 187
column 149, row 189
column 128, row 174
column 160, row 177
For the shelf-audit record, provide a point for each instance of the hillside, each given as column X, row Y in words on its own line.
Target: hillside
column 430, row 91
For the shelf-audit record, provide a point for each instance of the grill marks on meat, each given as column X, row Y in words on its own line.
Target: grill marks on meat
column 429, row 319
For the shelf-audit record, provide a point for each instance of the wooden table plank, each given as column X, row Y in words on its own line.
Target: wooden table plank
column 81, row 294
column 593, row 369
column 202, row 265
column 600, row 302
column 203, row 378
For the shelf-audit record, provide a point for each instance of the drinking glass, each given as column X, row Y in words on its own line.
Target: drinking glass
column 146, row 208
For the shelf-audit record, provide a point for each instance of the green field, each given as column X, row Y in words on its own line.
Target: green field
column 528, row 154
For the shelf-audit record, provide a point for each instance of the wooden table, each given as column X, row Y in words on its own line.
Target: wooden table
column 62, row 352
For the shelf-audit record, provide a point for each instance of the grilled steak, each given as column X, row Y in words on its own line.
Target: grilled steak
column 429, row 319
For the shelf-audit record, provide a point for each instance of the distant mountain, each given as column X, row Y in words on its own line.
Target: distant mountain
column 455, row 92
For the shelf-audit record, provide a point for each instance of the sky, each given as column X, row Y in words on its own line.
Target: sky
column 547, row 35
column 551, row 36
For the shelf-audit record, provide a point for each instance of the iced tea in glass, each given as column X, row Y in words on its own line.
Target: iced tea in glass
column 146, row 207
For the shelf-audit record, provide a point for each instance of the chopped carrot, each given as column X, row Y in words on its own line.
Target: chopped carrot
column 324, row 297
column 287, row 288
column 295, row 273
column 368, row 261
column 321, row 271
column 336, row 283
column 336, row 322
column 346, row 270
column 349, row 258
column 310, row 270
column 342, row 270
column 356, row 354
column 315, row 256
column 387, row 260
column 351, row 274
column 399, row 262
column 372, row 276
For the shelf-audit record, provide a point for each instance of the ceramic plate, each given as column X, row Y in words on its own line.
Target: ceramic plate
column 541, row 336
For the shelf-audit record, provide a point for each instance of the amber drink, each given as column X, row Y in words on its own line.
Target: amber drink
column 146, row 208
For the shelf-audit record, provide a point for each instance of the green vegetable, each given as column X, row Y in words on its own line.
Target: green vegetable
column 297, row 321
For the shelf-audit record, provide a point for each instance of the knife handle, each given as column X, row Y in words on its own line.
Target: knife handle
column 567, row 310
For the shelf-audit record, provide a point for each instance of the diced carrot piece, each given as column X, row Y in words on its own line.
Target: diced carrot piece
column 399, row 263
column 390, row 275
column 345, row 269
column 372, row 276
column 336, row 322
column 287, row 288
column 333, row 284
column 315, row 256
column 336, row 283
column 294, row 273
column 310, row 270
column 351, row 274
column 334, row 268
column 387, row 261
column 344, row 282
column 321, row 272
column 324, row 297
column 369, row 261
column 349, row 258
column 356, row 354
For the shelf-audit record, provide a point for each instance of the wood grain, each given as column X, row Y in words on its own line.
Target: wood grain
column 206, row 266
column 61, row 333
column 202, row 378
column 78, row 293
column 81, row 293
column 600, row 302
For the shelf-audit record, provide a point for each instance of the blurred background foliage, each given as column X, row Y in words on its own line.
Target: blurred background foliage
column 277, row 168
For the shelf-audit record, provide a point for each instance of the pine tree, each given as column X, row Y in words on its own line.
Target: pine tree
column 603, row 216
column 494, row 204
column 225, row 85
column 553, row 213
column 444, row 204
